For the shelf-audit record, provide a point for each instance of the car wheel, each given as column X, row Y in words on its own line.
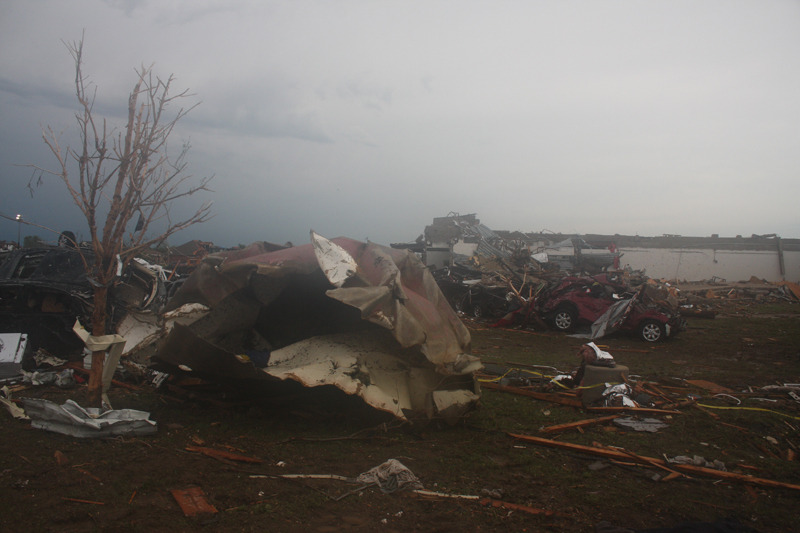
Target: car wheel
column 651, row 331
column 478, row 311
column 462, row 306
column 565, row 319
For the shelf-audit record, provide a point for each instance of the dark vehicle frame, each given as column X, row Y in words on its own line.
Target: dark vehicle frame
column 484, row 301
column 44, row 290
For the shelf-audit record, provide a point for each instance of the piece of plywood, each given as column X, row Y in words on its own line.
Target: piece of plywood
column 709, row 386
column 193, row 501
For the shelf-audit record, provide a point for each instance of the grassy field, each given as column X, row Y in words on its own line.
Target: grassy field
column 322, row 431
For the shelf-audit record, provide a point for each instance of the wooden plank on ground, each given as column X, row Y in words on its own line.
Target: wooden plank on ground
column 643, row 410
column 610, row 453
column 554, row 398
column 580, row 424
column 709, row 386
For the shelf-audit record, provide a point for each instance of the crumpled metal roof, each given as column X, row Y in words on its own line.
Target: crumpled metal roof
column 315, row 333
column 487, row 237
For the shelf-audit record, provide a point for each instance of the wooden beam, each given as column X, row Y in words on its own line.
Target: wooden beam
column 632, row 410
column 610, row 453
column 580, row 424
column 554, row 398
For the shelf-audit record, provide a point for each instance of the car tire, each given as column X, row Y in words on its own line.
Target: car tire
column 478, row 311
column 652, row 331
column 564, row 319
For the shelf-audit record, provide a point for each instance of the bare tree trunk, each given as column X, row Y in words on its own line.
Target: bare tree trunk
column 128, row 174
column 98, row 358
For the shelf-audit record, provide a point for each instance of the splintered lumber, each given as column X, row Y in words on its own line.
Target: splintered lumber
column 651, row 389
column 83, row 371
column 684, row 403
column 517, row 507
column 554, row 398
column 709, row 386
column 193, row 501
column 641, row 458
column 610, row 453
column 580, row 424
column 223, row 455
column 82, row 501
column 633, row 410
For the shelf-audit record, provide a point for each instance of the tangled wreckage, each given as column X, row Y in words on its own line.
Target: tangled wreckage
column 601, row 304
column 367, row 319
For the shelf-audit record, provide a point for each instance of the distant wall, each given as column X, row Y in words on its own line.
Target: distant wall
column 465, row 248
column 437, row 258
column 694, row 264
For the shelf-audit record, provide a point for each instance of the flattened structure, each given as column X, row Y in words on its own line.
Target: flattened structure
column 383, row 330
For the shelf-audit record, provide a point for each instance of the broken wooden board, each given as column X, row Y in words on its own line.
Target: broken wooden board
column 641, row 410
column 709, row 386
column 193, row 501
column 221, row 454
column 580, row 424
column 554, row 398
column 610, row 453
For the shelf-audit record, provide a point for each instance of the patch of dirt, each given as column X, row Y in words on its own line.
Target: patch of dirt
column 125, row 484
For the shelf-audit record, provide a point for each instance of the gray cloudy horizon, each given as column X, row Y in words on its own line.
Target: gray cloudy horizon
column 367, row 119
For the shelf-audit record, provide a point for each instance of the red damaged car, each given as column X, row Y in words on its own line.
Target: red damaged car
column 608, row 304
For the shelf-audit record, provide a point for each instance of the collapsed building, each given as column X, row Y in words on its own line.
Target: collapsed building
column 457, row 237
column 675, row 257
column 578, row 281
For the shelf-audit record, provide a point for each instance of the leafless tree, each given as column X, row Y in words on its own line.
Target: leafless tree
column 122, row 175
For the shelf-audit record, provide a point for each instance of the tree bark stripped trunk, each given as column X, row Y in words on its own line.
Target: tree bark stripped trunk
column 98, row 358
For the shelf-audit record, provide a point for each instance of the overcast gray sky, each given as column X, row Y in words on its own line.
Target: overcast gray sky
column 368, row 118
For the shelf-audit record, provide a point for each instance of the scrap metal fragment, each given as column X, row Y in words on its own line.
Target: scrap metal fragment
column 72, row 419
column 12, row 349
column 337, row 265
column 650, row 425
column 391, row 476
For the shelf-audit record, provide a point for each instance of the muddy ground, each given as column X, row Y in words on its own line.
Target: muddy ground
column 125, row 484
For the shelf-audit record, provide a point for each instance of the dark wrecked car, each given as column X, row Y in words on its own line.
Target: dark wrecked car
column 44, row 290
column 483, row 301
column 608, row 304
column 464, row 289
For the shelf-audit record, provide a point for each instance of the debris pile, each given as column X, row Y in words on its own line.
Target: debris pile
column 367, row 319
column 600, row 304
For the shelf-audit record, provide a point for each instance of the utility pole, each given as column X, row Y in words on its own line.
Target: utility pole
column 19, row 230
